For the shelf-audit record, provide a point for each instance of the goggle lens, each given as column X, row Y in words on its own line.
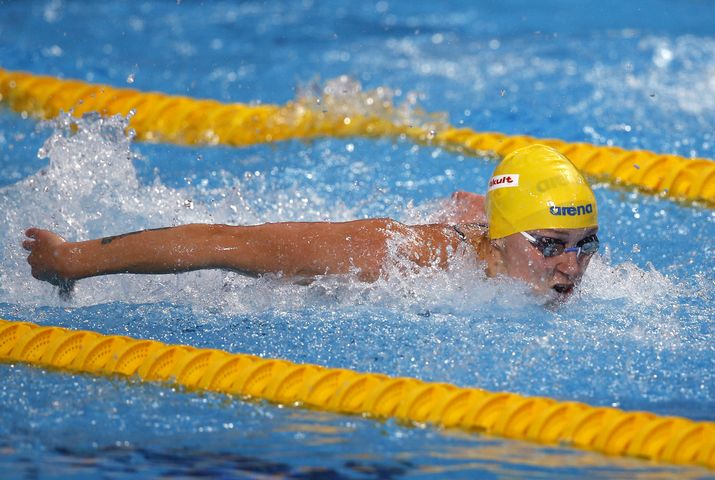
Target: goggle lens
column 589, row 245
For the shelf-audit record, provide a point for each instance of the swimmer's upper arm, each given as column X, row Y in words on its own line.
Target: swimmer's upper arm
column 430, row 245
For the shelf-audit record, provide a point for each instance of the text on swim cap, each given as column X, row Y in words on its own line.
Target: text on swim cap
column 502, row 181
column 571, row 211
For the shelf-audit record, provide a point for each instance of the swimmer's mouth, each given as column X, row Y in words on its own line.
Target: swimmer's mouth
column 563, row 288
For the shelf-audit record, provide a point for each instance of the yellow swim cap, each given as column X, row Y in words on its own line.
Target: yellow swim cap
column 536, row 187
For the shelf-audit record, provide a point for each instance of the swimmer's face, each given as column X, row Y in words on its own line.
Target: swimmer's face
column 560, row 273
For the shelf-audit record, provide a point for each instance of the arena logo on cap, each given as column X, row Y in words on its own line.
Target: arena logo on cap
column 571, row 211
column 503, row 181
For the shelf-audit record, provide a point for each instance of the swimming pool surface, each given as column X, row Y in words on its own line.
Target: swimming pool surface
column 639, row 334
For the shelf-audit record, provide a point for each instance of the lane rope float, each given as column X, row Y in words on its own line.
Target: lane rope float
column 537, row 419
column 188, row 121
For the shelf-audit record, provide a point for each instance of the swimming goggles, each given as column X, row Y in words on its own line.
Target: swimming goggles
column 551, row 247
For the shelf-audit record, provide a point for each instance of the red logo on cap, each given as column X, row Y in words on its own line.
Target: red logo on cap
column 501, row 181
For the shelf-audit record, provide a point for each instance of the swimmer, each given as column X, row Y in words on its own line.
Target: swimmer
column 541, row 226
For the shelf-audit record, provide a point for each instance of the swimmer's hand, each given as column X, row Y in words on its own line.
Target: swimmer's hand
column 47, row 259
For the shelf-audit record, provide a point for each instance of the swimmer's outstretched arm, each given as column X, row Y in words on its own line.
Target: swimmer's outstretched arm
column 292, row 249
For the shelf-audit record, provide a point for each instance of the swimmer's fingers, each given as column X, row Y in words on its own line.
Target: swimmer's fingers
column 36, row 233
column 39, row 234
column 40, row 237
column 30, row 244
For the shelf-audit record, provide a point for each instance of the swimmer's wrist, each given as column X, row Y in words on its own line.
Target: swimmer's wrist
column 63, row 266
column 71, row 263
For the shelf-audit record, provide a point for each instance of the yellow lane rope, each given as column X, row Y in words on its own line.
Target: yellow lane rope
column 543, row 420
column 183, row 120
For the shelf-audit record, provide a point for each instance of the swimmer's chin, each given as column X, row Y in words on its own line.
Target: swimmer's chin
column 549, row 296
column 559, row 294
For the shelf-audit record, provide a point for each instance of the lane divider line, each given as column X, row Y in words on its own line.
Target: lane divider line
column 158, row 117
column 537, row 419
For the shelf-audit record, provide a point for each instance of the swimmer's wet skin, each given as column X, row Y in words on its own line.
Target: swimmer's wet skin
column 542, row 229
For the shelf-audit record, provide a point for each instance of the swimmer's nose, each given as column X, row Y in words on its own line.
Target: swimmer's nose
column 570, row 265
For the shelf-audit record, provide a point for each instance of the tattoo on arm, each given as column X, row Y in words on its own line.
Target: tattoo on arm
column 108, row 240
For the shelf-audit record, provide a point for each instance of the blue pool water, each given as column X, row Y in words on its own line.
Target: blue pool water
column 638, row 335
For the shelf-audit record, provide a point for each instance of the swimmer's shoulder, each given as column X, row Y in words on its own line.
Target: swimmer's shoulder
column 475, row 235
column 439, row 233
column 465, row 231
